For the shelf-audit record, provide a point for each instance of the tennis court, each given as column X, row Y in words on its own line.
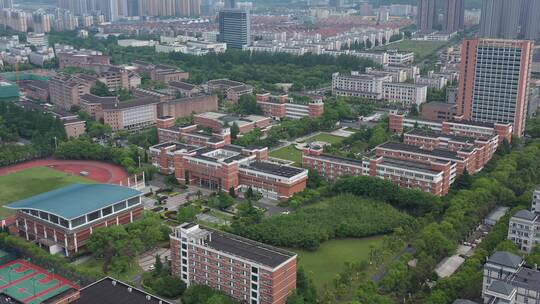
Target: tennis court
column 30, row 284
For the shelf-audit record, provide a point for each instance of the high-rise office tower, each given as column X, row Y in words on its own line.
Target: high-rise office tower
column 532, row 27
column 133, row 7
column 230, row 4
column 494, row 79
column 235, row 28
column 6, row 4
column 510, row 19
column 454, row 15
column 427, row 16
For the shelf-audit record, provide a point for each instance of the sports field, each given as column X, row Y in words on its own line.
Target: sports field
column 421, row 49
column 30, row 284
column 288, row 153
column 323, row 264
column 30, row 182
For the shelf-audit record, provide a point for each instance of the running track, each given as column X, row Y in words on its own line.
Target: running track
column 102, row 172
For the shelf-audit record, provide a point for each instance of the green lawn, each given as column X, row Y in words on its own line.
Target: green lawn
column 30, row 182
column 329, row 138
column 323, row 265
column 421, row 49
column 97, row 267
column 288, row 153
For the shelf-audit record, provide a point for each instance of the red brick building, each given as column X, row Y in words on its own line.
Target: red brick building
column 218, row 121
column 190, row 134
column 230, row 88
column 160, row 72
column 398, row 123
column 186, row 106
column 439, row 111
column 281, row 106
column 248, row 271
column 36, row 89
column 54, row 221
column 329, row 166
column 229, row 167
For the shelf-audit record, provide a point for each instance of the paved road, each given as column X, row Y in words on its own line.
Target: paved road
column 146, row 260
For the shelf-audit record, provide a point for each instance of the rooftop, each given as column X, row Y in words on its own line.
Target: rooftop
column 111, row 291
column 435, row 134
column 527, row 278
column 525, row 214
column 76, row 200
column 339, row 159
column 182, row 85
column 501, row 287
column 241, row 247
column 409, row 165
column 445, row 154
column 275, row 169
column 505, row 258
column 143, row 101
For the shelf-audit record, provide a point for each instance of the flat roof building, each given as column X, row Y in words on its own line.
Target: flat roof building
column 229, row 167
column 63, row 219
column 112, row 291
column 248, row 271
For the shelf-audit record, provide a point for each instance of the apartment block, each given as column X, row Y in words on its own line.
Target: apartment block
column 129, row 115
column 281, row 106
column 85, row 59
column 184, row 89
column 524, row 226
column 398, row 123
column 35, row 89
column 66, row 90
column 494, row 81
column 45, row 219
column 230, row 167
column 378, row 87
column 330, row 166
column 248, row 271
column 190, row 134
column 218, row 121
column 481, row 150
column 230, row 88
column 434, row 176
column 507, row 279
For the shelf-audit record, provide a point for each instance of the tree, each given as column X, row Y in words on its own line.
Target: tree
column 232, row 192
column 368, row 44
column 101, row 89
column 187, row 213
column 235, row 130
column 111, row 242
column 158, row 266
column 247, row 104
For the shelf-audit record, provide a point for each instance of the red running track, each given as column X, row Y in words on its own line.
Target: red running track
column 102, row 172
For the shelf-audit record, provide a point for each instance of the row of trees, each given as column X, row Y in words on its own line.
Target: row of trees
column 337, row 217
column 39, row 129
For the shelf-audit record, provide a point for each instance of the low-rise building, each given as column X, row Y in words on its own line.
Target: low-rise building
column 86, row 59
column 508, row 280
column 397, row 57
column 232, row 89
column 405, row 93
column 190, row 134
column 283, row 106
column 398, row 123
column 218, row 121
column 184, row 89
column 160, row 72
column 439, row 111
column 53, row 221
column 230, row 167
column 35, row 89
column 186, row 106
column 74, row 126
column 248, row 271
column 524, row 226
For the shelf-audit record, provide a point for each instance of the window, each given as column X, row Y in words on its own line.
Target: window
column 93, row 216
column 44, row 215
column 78, row 221
column 64, row 223
column 119, row 206
column 133, row 201
column 106, row 211
column 53, row 218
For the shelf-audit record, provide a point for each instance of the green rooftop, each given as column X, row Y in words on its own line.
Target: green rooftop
column 76, row 200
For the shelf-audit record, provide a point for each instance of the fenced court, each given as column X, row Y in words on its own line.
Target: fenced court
column 31, row 284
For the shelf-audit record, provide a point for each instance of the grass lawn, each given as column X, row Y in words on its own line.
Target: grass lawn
column 323, row 265
column 30, row 182
column 288, row 153
column 329, row 138
column 421, row 49
column 97, row 266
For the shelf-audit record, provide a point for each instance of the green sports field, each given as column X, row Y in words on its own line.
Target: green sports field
column 323, row 264
column 30, row 182
column 288, row 153
column 421, row 49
